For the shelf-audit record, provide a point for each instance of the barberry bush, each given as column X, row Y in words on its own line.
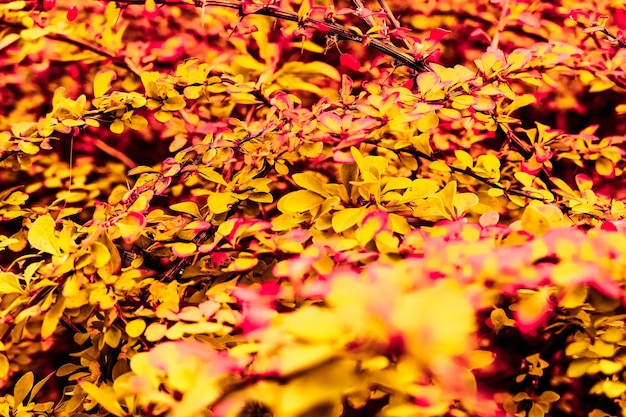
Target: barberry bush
column 292, row 208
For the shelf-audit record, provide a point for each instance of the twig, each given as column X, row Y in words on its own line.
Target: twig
column 330, row 28
column 123, row 62
column 395, row 23
column 121, row 156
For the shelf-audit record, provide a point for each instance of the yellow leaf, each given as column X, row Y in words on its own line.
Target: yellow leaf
column 466, row 159
column 309, row 181
column 150, row 8
column 28, row 147
column 102, row 82
column 432, row 209
column 521, row 101
column 117, row 126
column 296, row 357
column 531, row 309
column 463, row 202
column 299, row 201
column 131, row 226
column 608, row 367
column 427, row 122
column 187, row 207
column 8, row 39
column 495, row 192
column 10, row 284
column 163, row 116
column 137, row 122
column 373, row 223
column 4, row 366
column 480, row 359
column 439, row 166
column 184, row 249
column 448, row 196
column 491, row 164
column 420, row 188
column 135, row 328
column 313, row 324
column 525, row 178
column 41, row 235
column 101, row 254
column 605, row 167
column 578, row 367
column 243, row 263
column 112, row 336
column 499, row 320
column 421, row 143
column 536, row 411
column 426, row 81
column 211, row 175
column 155, row 331
column 52, row 317
column 538, row 219
column 346, row 218
column 440, row 320
column 104, row 396
column 221, row 202
column 38, row 387
column 304, row 10
column 23, row 387
column 612, row 389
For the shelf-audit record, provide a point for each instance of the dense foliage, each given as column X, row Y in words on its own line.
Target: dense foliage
column 240, row 208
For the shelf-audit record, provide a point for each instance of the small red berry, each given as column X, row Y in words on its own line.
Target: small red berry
column 72, row 13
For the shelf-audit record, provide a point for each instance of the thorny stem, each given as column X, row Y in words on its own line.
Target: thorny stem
column 418, row 154
column 178, row 267
column 469, row 173
column 331, row 28
column 118, row 60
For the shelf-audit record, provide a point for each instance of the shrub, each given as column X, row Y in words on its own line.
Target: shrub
column 239, row 208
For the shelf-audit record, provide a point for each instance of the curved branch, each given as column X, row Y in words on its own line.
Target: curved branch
column 328, row 27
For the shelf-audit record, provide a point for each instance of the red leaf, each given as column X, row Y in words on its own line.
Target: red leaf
column 72, row 13
column 437, row 33
column 350, row 62
column 49, row 4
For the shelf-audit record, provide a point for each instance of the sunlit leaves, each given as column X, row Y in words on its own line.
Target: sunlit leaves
column 299, row 201
column 41, row 235
column 289, row 227
column 104, row 396
column 102, row 82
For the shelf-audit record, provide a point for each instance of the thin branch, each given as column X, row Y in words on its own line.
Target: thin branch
column 464, row 171
column 178, row 267
column 119, row 155
column 395, row 23
column 328, row 27
column 123, row 62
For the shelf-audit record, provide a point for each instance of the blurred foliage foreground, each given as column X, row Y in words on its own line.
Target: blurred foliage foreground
column 240, row 208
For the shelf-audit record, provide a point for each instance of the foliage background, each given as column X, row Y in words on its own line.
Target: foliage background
column 306, row 209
